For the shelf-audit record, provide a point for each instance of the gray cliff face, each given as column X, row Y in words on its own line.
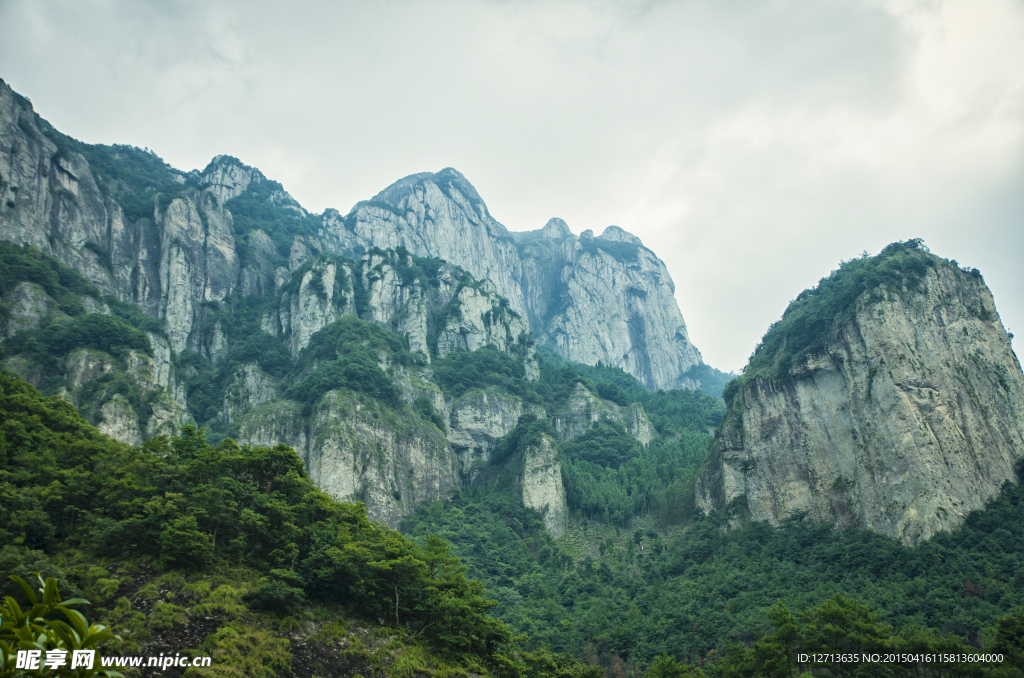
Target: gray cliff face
column 585, row 409
column 592, row 299
column 190, row 258
column 435, row 215
column 152, row 375
column 542, row 486
column 913, row 416
column 606, row 299
column 27, row 305
column 354, row 452
column 476, row 422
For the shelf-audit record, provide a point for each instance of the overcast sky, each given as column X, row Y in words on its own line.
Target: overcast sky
column 752, row 145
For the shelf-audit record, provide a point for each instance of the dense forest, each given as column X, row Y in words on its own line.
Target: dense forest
column 238, row 540
column 276, row 577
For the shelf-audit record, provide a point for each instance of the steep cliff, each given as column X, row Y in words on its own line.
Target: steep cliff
column 542, row 486
column 172, row 242
column 606, row 298
column 889, row 398
column 155, row 297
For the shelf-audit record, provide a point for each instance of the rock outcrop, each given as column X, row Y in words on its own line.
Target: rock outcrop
column 424, row 259
column 542, row 486
column 476, row 422
column 911, row 416
column 605, row 298
column 585, row 409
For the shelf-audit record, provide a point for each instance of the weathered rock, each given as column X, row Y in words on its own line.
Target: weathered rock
column 913, row 416
column 400, row 307
column 542, row 486
column 119, row 421
column 391, row 462
column 584, row 409
column 606, row 299
column 27, row 305
column 476, row 422
column 480, row 320
column 249, row 388
column 277, row 421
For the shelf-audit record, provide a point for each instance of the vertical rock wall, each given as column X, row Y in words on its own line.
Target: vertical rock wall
column 912, row 417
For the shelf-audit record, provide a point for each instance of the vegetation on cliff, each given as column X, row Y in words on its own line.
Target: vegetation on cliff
column 808, row 321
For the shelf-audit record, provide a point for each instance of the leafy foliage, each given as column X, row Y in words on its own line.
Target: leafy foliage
column 35, row 629
column 134, row 177
column 346, row 354
column 265, row 206
column 193, row 505
column 621, row 251
column 107, row 333
column 460, row 371
column 705, row 592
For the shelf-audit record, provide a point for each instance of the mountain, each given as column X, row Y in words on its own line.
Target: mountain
column 887, row 398
column 393, row 348
column 293, row 386
column 170, row 241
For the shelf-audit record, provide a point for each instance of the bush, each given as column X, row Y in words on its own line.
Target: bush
column 275, row 596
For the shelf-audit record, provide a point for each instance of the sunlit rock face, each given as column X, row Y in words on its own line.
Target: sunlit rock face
column 912, row 417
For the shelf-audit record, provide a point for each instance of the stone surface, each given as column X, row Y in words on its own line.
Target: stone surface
column 390, row 462
column 250, row 387
column 542, row 486
column 584, row 409
column 476, row 422
column 119, row 421
column 27, row 305
column 588, row 304
column 185, row 261
column 913, row 416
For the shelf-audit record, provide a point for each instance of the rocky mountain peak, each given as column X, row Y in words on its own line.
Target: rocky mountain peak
column 227, row 177
column 555, row 229
column 620, row 235
column 887, row 398
column 446, row 180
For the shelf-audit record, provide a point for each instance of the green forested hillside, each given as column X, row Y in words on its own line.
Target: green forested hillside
column 807, row 321
column 238, row 538
column 613, row 595
column 274, row 578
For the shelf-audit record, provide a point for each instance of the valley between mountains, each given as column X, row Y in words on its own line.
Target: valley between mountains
column 405, row 440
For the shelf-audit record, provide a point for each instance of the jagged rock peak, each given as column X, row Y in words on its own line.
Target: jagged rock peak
column 555, row 229
column 446, row 179
column 227, row 177
column 620, row 235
